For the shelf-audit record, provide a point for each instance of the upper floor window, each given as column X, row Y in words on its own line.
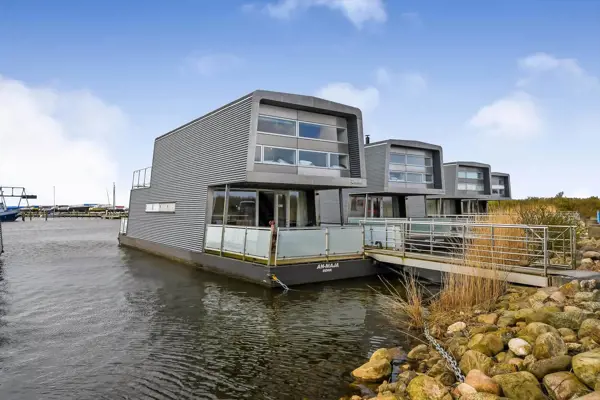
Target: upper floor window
column 338, row 160
column 396, row 158
column 470, row 174
column 279, row 155
column 322, row 132
column 304, row 158
column 312, row 158
column 411, row 159
column 276, row 125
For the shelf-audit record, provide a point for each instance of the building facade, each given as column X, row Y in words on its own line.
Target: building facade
column 501, row 189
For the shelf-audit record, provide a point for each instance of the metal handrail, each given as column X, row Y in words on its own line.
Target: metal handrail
column 1, row 240
column 141, row 178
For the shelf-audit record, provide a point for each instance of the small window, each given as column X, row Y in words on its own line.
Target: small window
column 258, row 154
column 462, row 174
column 338, row 161
column 495, row 191
column 161, row 207
column 396, row 158
column 414, row 178
column 312, row 159
column 276, row 125
column 412, row 159
column 480, row 187
column 428, row 162
column 397, row 177
column 323, row 132
column 428, row 178
column 462, row 186
column 279, row 156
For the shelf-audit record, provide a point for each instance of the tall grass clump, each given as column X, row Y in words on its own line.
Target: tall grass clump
column 405, row 307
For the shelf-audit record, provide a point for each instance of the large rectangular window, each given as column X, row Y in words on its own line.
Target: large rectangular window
column 396, row 158
column 279, row 155
column 414, row 178
column 322, row 132
column 338, row 160
column 470, row 175
column 276, row 125
column 312, row 159
column 416, row 160
column 397, row 177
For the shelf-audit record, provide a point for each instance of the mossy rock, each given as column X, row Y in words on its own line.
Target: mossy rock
column 424, row 387
column 475, row 360
column 571, row 320
column 541, row 368
column 535, row 329
column 520, row 386
column 590, row 328
column 586, row 367
column 564, row 386
column 548, row 345
column 503, row 368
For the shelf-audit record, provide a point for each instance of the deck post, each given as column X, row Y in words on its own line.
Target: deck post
column 464, row 243
column 245, row 239
column 573, row 247
column 225, row 210
column 276, row 246
column 341, row 200
column 366, row 203
column 327, row 244
column 386, row 235
column 431, row 238
column 362, row 231
column 545, row 246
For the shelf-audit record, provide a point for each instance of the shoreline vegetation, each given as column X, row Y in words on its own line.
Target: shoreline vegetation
column 508, row 341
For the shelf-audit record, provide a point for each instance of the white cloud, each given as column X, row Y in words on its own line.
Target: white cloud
column 53, row 138
column 383, row 76
column 357, row 11
column 366, row 99
column 211, row 64
column 516, row 115
column 405, row 82
column 540, row 62
column 414, row 82
column 413, row 18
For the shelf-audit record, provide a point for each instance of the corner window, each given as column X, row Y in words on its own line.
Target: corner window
column 396, row 158
column 414, row 178
column 338, row 160
column 397, row 177
column 278, row 155
column 276, row 125
column 258, row 154
column 312, row 159
column 323, row 132
column 428, row 178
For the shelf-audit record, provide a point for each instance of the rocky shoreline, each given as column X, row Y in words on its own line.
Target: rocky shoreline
column 535, row 344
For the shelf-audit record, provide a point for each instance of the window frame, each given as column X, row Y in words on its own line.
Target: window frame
column 297, row 131
column 396, row 180
column 314, row 151
column 261, row 153
column 416, row 174
column 280, row 148
column 393, row 153
column 277, row 134
column 419, row 156
column 329, row 153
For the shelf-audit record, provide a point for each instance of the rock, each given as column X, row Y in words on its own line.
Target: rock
column 373, row 371
column 483, row 329
column 590, row 328
column 464, row 389
column 569, row 289
column 591, row 306
column 588, row 344
column 506, row 320
column 540, row 295
column 558, row 297
column 582, row 297
column 488, row 319
column 481, row 382
column 421, row 352
column 590, row 284
column 474, row 340
column 535, row 329
column 519, row 346
column 424, row 387
column 587, row 367
column 503, row 368
column 566, row 332
column 456, row 327
column 586, row 263
column 572, row 308
column 527, row 361
column 490, row 345
column 520, row 315
column 441, row 373
column 536, row 305
column 564, row 386
column 592, row 396
column 481, row 396
column 457, row 346
column 548, row 345
column 517, row 362
column 381, row 354
column 574, row 348
column 520, row 386
column 571, row 320
column 540, row 368
column 355, row 397
column 475, row 360
column 594, row 255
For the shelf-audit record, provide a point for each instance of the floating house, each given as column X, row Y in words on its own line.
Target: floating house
column 235, row 190
column 400, row 174
column 501, row 189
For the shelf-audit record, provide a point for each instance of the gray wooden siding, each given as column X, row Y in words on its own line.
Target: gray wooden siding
column 416, row 206
column 211, row 151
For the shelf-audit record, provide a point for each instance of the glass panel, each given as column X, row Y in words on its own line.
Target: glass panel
column 257, row 154
column 414, row 178
column 312, row 159
column 279, row 156
column 480, row 187
column 276, row 125
column 258, row 242
column 266, row 208
column 298, row 209
column 462, row 174
column 338, row 161
column 242, row 208
column 412, row 159
column 281, row 210
column 397, row 177
column 429, row 178
column 301, row 243
column 345, row 240
column 388, row 207
column 357, row 206
column 396, row 158
column 376, row 207
column 428, row 162
column 218, row 207
column 233, row 240
column 213, row 237
column 314, row 131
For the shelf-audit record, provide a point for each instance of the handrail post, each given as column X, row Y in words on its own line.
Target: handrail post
column 363, row 240
column 545, row 247
column 573, row 247
column 464, row 242
column 225, row 212
column 386, row 234
column 245, row 239
column 431, row 238
column 222, row 240
column 327, row 244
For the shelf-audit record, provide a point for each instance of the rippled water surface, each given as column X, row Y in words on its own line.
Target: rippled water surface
column 81, row 318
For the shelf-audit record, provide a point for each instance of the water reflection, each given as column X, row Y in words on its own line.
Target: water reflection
column 97, row 321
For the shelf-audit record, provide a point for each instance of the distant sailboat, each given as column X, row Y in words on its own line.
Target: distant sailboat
column 11, row 214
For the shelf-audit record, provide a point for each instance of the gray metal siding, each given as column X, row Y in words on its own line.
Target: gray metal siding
column 450, row 179
column 355, row 138
column 329, row 206
column 416, row 206
column 210, row 151
column 376, row 158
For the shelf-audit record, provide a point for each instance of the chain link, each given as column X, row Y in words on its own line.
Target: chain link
column 450, row 361
column 283, row 285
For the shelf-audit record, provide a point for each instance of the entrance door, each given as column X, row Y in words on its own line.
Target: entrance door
column 282, row 207
column 273, row 206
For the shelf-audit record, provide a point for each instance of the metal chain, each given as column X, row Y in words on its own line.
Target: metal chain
column 283, row 285
column 450, row 361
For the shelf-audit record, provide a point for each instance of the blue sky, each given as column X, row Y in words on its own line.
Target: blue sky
column 85, row 87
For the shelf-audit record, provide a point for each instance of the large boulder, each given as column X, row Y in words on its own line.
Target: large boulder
column 475, row 360
column 381, row 354
column 488, row 319
column 419, row 353
column 564, row 386
column 571, row 320
column 424, row 387
column 373, row 371
column 519, row 346
column 457, row 346
column 442, row 373
column 541, row 368
column 520, row 386
column 587, row 367
column 456, row 327
column 594, row 255
column 548, row 345
column 491, row 344
column 481, row 382
column 535, row 329
column 590, row 328
column 582, row 297
column 569, row 289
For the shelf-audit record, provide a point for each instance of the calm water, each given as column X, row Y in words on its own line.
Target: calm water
column 81, row 318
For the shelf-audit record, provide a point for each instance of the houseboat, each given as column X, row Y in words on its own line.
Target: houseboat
column 234, row 191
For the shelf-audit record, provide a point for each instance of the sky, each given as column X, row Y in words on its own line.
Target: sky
column 86, row 86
